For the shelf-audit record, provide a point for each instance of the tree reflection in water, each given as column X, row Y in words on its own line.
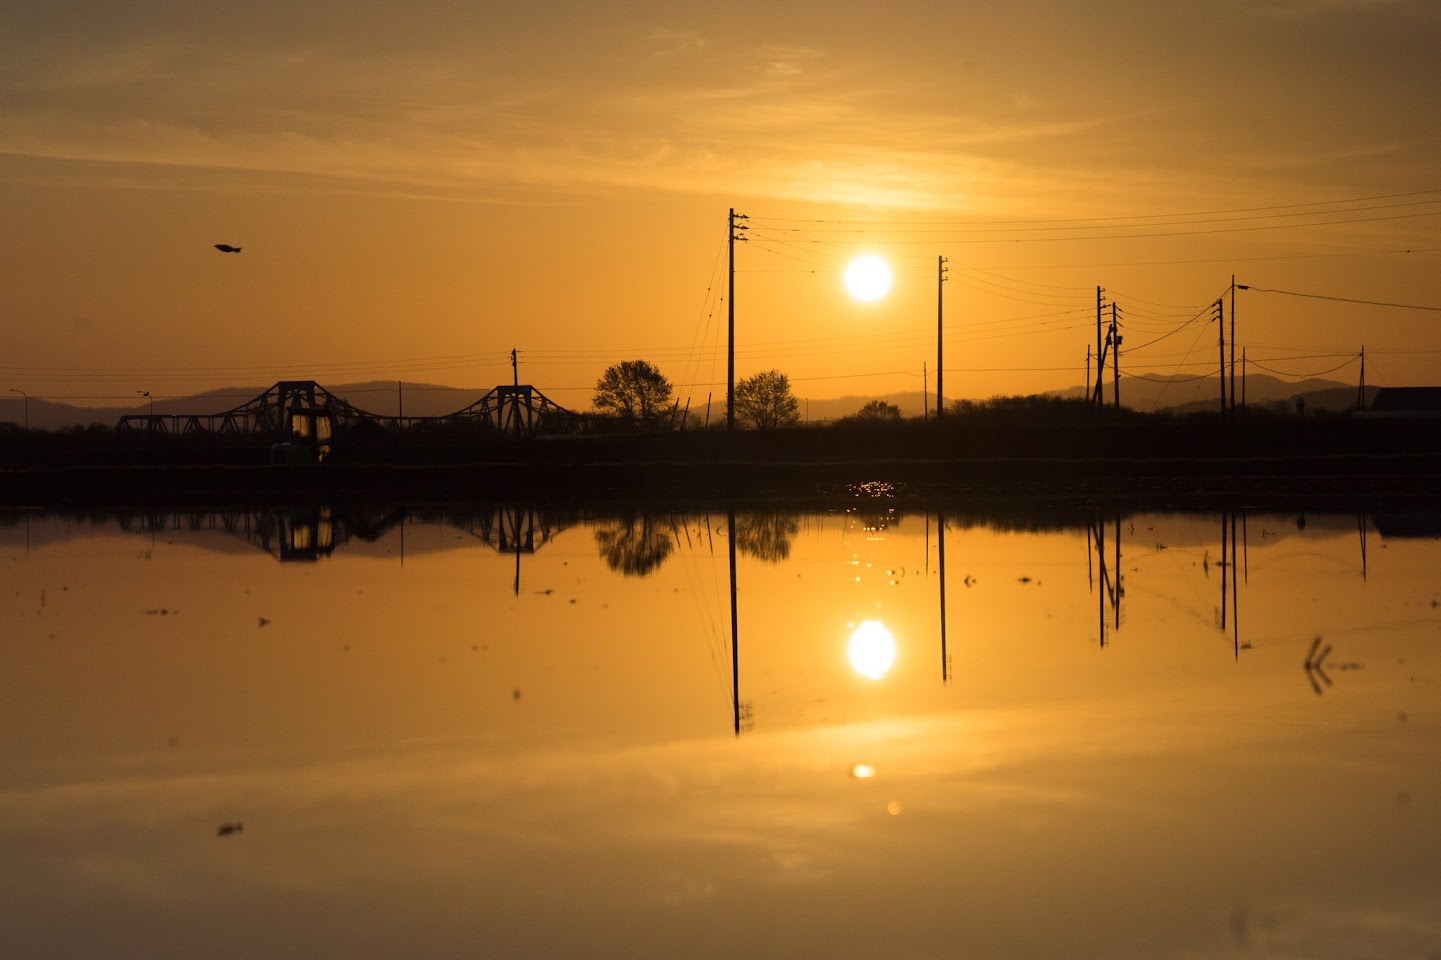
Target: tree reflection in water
column 634, row 545
column 637, row 543
column 766, row 536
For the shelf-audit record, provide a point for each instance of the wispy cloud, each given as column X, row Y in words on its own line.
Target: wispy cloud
column 666, row 108
column 670, row 42
column 1296, row 9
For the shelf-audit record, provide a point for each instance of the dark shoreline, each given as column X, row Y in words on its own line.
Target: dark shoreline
column 1340, row 482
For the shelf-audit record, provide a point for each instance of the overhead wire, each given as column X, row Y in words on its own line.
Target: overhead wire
column 1321, row 296
column 1304, row 376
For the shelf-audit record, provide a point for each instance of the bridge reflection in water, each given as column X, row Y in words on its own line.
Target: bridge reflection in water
column 310, row 533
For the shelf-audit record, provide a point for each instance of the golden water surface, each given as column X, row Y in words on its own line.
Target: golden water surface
column 498, row 732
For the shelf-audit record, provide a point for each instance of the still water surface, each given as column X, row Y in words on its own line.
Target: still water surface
column 492, row 732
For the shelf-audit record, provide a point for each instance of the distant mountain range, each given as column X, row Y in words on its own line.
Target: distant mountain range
column 385, row 398
column 1187, row 395
column 1156, row 392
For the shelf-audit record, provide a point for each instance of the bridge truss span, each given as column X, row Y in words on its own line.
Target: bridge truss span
column 519, row 410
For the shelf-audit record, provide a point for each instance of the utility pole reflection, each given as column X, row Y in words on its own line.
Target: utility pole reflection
column 1361, row 531
column 735, row 638
column 945, row 656
column 1231, row 545
column 1107, row 577
column 1235, row 595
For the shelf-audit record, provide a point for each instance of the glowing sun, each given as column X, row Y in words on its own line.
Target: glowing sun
column 868, row 277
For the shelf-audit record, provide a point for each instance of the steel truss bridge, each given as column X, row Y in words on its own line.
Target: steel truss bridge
column 518, row 411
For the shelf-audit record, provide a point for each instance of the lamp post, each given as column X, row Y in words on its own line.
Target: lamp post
column 27, row 404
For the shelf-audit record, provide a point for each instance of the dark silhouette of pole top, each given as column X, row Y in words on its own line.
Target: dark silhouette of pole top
column 226, row 248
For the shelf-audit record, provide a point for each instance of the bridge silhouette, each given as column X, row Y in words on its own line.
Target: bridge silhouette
column 518, row 410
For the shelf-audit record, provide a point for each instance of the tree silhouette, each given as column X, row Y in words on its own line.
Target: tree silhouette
column 634, row 390
column 877, row 411
column 632, row 546
column 765, row 401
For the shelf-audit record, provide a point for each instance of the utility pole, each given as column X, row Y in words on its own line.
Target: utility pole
column 1361, row 388
column 1115, row 358
column 1221, row 344
column 732, row 229
column 515, row 367
column 925, row 393
column 940, row 369
column 1233, row 343
column 1100, row 362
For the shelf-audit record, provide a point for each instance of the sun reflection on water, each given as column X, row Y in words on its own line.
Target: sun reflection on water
column 872, row 650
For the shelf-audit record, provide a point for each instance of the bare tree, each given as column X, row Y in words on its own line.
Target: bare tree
column 765, row 401
column 633, row 390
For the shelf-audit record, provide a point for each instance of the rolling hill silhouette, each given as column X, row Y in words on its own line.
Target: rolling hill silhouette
column 382, row 398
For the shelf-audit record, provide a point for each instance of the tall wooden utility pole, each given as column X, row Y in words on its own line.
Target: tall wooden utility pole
column 925, row 393
column 1115, row 358
column 1221, row 344
column 514, row 367
column 732, row 228
column 940, row 367
column 1233, row 342
column 1361, row 388
column 1100, row 363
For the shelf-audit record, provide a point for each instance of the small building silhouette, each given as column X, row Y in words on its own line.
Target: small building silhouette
column 1406, row 403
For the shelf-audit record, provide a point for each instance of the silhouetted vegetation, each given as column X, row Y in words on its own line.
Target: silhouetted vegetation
column 765, row 401
column 635, row 391
column 876, row 411
column 1013, row 446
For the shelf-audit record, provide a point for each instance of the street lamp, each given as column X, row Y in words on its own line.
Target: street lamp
column 27, row 404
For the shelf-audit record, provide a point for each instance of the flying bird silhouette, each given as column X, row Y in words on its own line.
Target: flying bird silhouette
column 226, row 248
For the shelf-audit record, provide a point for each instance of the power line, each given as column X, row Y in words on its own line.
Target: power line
column 1322, row 296
column 1304, row 376
column 1167, row 380
column 1198, row 315
column 1176, row 263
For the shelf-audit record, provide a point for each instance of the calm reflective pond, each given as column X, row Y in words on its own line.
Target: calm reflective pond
column 499, row 732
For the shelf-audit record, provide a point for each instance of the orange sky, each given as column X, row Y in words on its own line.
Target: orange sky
column 418, row 189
